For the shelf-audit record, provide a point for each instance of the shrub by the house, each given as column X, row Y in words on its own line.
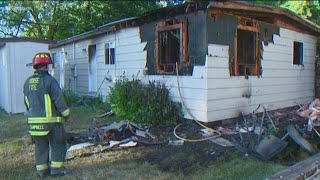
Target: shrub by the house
column 143, row 103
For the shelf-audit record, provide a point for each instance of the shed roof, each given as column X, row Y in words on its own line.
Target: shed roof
column 25, row 39
column 241, row 7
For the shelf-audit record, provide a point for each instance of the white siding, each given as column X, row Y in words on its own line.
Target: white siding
column 282, row 84
column 13, row 71
column 131, row 61
column 4, row 80
column 210, row 93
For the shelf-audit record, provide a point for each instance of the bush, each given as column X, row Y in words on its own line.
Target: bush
column 73, row 99
column 143, row 103
column 70, row 97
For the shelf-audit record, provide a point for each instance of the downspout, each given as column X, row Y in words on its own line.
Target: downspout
column 316, row 78
column 116, row 55
column 74, row 68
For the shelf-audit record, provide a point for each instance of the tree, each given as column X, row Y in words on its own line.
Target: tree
column 309, row 9
column 54, row 20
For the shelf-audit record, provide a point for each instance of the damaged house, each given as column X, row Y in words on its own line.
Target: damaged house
column 230, row 57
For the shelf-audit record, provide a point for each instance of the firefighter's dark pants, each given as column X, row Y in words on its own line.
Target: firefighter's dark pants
column 51, row 146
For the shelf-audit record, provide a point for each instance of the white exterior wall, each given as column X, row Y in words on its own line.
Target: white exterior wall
column 210, row 93
column 4, row 80
column 77, row 54
column 13, row 71
column 282, row 84
column 130, row 61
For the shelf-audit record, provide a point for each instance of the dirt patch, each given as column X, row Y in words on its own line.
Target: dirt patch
column 186, row 157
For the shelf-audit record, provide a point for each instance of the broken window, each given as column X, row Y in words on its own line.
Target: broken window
column 171, row 45
column 297, row 53
column 247, row 48
column 109, row 53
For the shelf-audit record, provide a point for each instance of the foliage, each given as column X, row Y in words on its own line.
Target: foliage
column 70, row 97
column 306, row 9
column 143, row 103
column 73, row 99
column 55, row 20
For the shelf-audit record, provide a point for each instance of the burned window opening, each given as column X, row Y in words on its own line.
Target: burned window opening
column 297, row 53
column 169, row 50
column 171, row 45
column 247, row 49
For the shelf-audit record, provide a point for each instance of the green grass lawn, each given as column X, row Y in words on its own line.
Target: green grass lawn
column 17, row 157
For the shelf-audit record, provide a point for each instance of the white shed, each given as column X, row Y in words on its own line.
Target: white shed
column 15, row 53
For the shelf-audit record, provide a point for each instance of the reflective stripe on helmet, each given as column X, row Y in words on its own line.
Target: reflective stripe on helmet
column 41, row 58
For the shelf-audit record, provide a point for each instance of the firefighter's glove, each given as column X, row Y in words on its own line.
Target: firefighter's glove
column 69, row 119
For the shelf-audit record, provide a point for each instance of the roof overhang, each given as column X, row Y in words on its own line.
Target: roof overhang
column 241, row 7
column 98, row 31
column 25, row 39
column 265, row 9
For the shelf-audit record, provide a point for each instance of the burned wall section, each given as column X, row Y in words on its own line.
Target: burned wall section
column 266, row 32
column 197, row 45
column 222, row 28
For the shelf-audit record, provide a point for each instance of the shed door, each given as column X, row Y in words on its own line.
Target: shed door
column 92, row 69
column 61, row 69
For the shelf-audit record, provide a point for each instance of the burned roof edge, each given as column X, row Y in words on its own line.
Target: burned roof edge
column 247, row 6
column 228, row 5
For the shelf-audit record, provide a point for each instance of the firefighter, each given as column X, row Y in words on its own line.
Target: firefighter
column 46, row 110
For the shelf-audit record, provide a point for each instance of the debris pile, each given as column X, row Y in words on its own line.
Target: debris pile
column 118, row 134
column 261, row 133
column 264, row 134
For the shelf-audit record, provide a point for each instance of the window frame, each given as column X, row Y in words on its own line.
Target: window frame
column 107, row 56
column 255, row 68
column 300, row 62
column 166, row 26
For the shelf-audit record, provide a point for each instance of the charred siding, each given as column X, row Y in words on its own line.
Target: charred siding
column 197, row 46
column 221, row 29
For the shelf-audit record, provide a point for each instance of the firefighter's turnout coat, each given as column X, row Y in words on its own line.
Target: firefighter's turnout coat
column 44, row 102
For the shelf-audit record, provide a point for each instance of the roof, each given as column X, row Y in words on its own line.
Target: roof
column 25, row 39
column 100, row 30
column 242, row 7
column 265, row 9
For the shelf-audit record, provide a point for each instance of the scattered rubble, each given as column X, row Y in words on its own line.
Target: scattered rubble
column 261, row 134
